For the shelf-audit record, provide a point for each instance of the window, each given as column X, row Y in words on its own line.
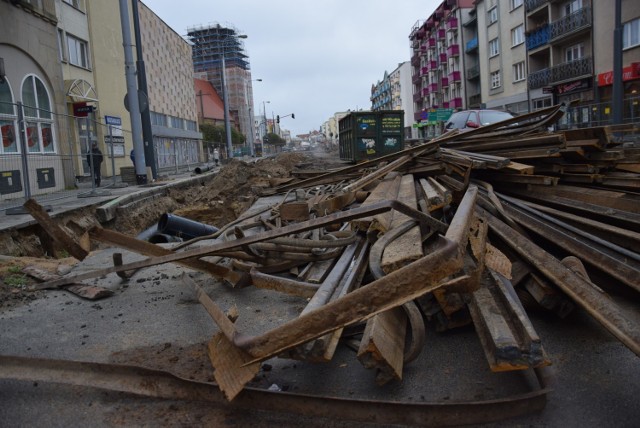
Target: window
column 74, row 3
column 8, row 121
column 176, row 122
column 572, row 6
column 517, row 35
column 573, row 53
column 541, row 103
column 518, row 72
column 495, row 80
column 631, row 34
column 493, row 15
column 78, row 52
column 38, row 116
column 192, row 125
column 158, row 119
column 516, row 3
column 494, row 47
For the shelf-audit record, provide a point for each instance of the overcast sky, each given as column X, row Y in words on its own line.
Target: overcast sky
column 315, row 58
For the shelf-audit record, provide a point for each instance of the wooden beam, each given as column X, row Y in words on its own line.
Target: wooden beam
column 54, row 230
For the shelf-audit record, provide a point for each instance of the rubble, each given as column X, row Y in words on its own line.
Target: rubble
column 473, row 228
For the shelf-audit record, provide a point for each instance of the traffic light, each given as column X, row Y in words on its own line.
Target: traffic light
column 278, row 119
column 293, row 116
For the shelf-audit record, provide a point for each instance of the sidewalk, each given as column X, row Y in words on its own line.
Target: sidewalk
column 84, row 196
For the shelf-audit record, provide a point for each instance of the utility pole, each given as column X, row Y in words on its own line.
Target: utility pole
column 147, row 133
column 132, row 101
column 617, row 98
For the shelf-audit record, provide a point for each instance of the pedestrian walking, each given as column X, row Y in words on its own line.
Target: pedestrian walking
column 94, row 159
column 133, row 158
column 216, row 156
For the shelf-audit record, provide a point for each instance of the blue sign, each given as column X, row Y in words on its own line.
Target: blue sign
column 113, row 120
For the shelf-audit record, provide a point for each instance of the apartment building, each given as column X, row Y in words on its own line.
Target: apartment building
column 604, row 18
column 438, row 66
column 394, row 92
column 560, row 48
column 502, row 60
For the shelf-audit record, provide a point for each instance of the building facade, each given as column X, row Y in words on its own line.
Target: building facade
column 502, row 69
column 35, row 156
column 603, row 14
column 438, row 65
column 213, row 45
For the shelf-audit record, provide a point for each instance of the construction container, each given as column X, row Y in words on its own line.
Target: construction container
column 366, row 135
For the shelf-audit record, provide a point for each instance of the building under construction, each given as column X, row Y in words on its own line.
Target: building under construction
column 209, row 45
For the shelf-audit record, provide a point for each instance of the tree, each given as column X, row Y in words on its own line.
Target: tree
column 274, row 139
column 217, row 134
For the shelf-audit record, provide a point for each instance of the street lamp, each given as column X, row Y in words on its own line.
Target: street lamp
column 251, row 128
column 225, row 101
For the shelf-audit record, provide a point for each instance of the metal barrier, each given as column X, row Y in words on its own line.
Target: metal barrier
column 599, row 114
column 43, row 155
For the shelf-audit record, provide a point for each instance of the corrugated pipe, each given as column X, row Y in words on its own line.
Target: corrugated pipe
column 185, row 228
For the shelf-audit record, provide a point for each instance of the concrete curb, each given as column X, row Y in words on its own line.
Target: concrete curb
column 108, row 211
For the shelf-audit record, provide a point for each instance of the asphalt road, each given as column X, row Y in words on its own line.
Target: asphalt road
column 595, row 376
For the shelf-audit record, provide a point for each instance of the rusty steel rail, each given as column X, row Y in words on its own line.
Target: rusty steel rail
column 580, row 290
column 146, row 382
column 335, row 218
column 617, row 262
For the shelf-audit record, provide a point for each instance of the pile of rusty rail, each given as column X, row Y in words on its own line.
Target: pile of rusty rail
column 454, row 231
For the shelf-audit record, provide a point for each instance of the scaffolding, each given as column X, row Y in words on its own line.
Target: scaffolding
column 208, row 44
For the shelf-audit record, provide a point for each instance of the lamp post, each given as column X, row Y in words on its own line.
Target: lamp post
column 225, row 101
column 251, row 128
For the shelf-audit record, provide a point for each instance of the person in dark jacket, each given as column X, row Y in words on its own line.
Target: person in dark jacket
column 94, row 159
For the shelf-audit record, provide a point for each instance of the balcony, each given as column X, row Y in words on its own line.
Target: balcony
column 415, row 59
column 445, row 82
column 534, row 4
column 433, row 64
column 538, row 37
column 572, row 70
column 433, row 87
column 454, row 76
column 471, row 45
column 473, row 72
column 416, row 78
column 441, row 34
column 425, row 92
column 431, row 43
column 540, row 78
column 450, row 2
column 571, row 23
column 445, row 104
column 442, row 57
column 453, row 50
column 417, row 97
column 424, row 71
column 456, row 103
column 452, row 24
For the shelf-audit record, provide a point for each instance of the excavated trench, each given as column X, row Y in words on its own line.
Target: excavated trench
column 215, row 200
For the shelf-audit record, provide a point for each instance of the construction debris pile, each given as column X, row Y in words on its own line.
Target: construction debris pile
column 469, row 228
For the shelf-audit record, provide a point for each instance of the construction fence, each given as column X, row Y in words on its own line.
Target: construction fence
column 43, row 155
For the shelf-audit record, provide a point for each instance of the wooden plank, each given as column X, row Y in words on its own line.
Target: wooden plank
column 519, row 168
column 382, row 345
column 54, row 230
column 379, row 193
column 408, row 247
column 89, row 292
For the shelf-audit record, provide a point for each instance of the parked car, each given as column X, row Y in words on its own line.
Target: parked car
column 471, row 119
